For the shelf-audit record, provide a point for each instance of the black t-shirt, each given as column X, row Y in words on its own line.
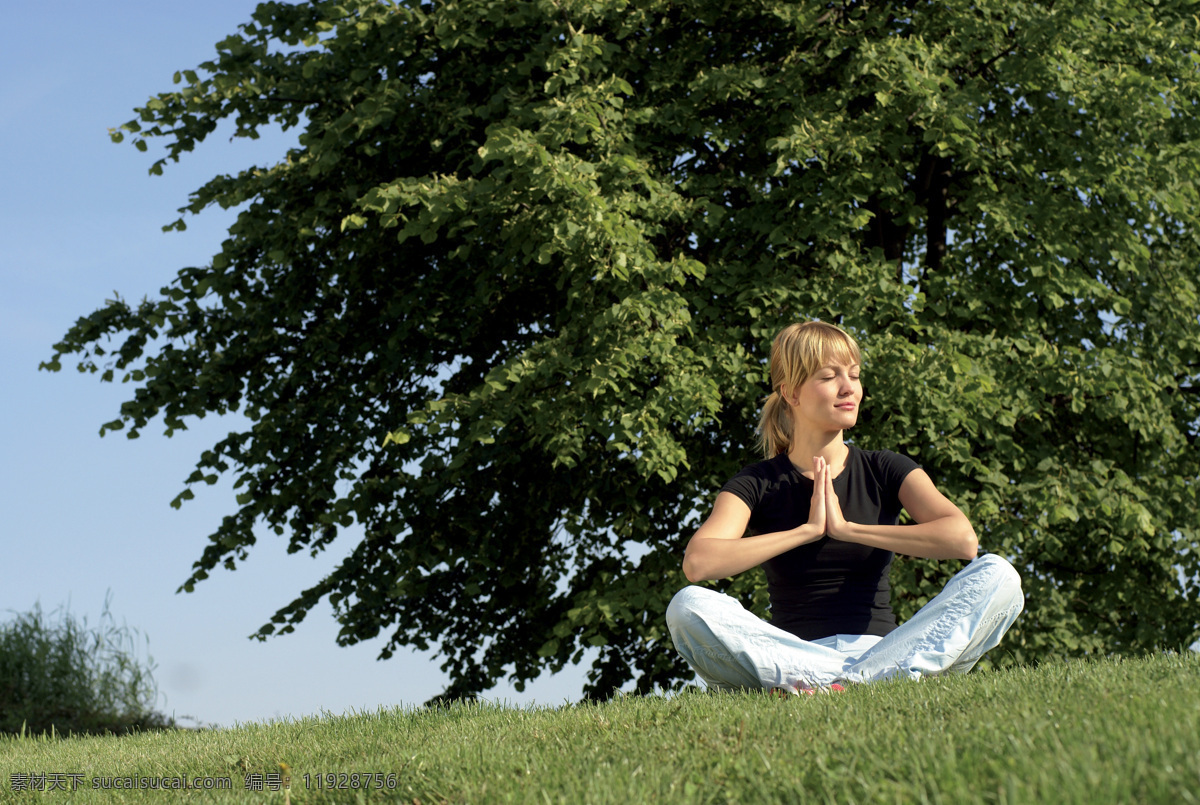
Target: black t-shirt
column 827, row 587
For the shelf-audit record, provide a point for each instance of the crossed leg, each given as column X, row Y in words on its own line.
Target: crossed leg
column 730, row 648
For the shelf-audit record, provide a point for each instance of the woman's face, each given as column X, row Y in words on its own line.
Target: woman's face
column 828, row 400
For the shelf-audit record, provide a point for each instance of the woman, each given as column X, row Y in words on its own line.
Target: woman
column 822, row 517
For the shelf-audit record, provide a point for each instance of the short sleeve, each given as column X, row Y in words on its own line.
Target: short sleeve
column 893, row 469
column 747, row 485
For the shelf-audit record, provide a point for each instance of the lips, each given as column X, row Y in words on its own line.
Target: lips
column 846, row 406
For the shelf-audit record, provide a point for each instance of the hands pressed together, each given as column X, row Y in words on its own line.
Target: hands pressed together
column 720, row 548
column 825, row 511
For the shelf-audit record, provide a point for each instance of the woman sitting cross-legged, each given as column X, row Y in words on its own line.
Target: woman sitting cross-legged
column 822, row 519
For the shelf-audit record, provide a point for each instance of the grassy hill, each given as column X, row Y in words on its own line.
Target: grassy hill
column 1107, row 731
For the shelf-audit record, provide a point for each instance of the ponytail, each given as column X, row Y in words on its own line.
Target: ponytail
column 775, row 427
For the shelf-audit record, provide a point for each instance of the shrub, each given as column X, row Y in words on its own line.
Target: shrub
column 59, row 675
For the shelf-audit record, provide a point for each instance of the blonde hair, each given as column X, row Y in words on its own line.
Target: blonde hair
column 798, row 352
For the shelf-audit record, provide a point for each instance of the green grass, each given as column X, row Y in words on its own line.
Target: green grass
column 1088, row 732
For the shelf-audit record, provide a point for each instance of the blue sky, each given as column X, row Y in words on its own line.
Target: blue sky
column 89, row 517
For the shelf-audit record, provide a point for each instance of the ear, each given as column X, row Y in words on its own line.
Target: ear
column 790, row 395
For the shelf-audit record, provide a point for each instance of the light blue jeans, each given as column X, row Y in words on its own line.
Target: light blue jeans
column 729, row 648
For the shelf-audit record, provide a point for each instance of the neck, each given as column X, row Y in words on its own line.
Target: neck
column 828, row 446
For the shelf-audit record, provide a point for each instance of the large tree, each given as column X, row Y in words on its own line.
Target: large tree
column 507, row 305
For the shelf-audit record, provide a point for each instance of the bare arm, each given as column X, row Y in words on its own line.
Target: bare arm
column 941, row 530
column 719, row 550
